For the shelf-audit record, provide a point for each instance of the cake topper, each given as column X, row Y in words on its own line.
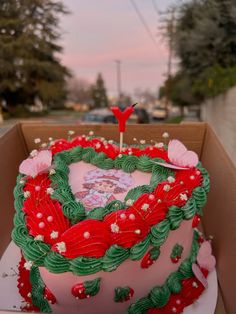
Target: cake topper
column 122, row 117
column 180, row 157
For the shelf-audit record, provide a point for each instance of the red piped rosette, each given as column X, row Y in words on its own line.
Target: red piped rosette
column 125, row 227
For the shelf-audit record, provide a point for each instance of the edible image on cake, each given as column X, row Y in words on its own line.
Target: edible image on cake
column 100, row 187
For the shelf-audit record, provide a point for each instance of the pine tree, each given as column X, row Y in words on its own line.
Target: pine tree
column 99, row 93
column 29, row 66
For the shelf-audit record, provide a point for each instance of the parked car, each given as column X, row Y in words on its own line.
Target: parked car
column 159, row 113
column 96, row 116
column 105, row 115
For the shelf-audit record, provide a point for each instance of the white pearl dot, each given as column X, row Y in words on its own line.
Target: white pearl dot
column 192, row 177
column 39, row 215
column 122, row 216
column 174, row 310
column 138, row 231
column 37, row 188
column 86, row 234
column 178, row 301
column 50, row 219
column 151, row 197
column 41, row 224
column 159, row 201
column 132, row 217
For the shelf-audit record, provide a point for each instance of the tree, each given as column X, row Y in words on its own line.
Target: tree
column 204, row 41
column 79, row 90
column 29, row 66
column 205, row 35
column 99, row 94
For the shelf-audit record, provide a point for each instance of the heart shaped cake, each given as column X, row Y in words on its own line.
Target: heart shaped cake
column 109, row 231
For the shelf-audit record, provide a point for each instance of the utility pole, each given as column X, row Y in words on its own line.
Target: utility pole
column 170, row 21
column 118, row 79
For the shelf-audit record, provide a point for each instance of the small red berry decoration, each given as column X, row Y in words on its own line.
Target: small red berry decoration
column 86, row 289
column 196, row 220
column 123, row 294
column 175, row 259
column 176, row 253
column 150, row 257
column 48, row 295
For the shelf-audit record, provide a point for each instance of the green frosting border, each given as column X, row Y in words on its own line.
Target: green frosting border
column 39, row 253
column 159, row 296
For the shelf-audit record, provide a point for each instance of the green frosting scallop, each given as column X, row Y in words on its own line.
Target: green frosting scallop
column 19, row 219
column 174, row 282
column 88, row 154
column 56, row 263
column 100, row 212
column 107, row 163
column 134, row 193
column 160, row 174
column 144, row 164
column 189, row 209
column 160, row 232
column 130, row 164
column 138, row 250
column 83, row 266
column 74, row 211
column 118, row 163
column 38, row 291
column 114, row 256
column 99, row 159
column 76, row 154
column 160, row 296
column 141, row 306
column 186, row 268
column 36, row 252
column 199, row 195
column 65, row 156
column 175, row 216
column 19, row 235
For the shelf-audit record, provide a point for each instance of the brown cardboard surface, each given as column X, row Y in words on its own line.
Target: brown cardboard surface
column 191, row 134
column 219, row 214
column 12, row 151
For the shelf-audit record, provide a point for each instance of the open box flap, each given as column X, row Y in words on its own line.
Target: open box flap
column 12, row 151
column 219, row 217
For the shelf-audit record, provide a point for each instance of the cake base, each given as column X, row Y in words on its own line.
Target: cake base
column 10, row 298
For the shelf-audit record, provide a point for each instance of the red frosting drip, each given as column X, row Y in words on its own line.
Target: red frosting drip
column 88, row 238
column 127, row 227
column 24, row 287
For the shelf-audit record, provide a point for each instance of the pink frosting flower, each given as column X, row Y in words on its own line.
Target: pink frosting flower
column 40, row 163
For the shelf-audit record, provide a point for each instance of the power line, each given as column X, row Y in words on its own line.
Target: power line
column 143, row 21
column 155, row 7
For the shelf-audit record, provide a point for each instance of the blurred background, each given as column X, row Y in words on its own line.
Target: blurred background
column 70, row 61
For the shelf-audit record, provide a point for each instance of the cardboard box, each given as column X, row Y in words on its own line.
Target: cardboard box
column 219, row 215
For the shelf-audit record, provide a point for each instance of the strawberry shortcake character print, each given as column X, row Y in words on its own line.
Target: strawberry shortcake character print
column 100, row 187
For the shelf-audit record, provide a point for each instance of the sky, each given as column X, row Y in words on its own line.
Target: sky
column 98, row 32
